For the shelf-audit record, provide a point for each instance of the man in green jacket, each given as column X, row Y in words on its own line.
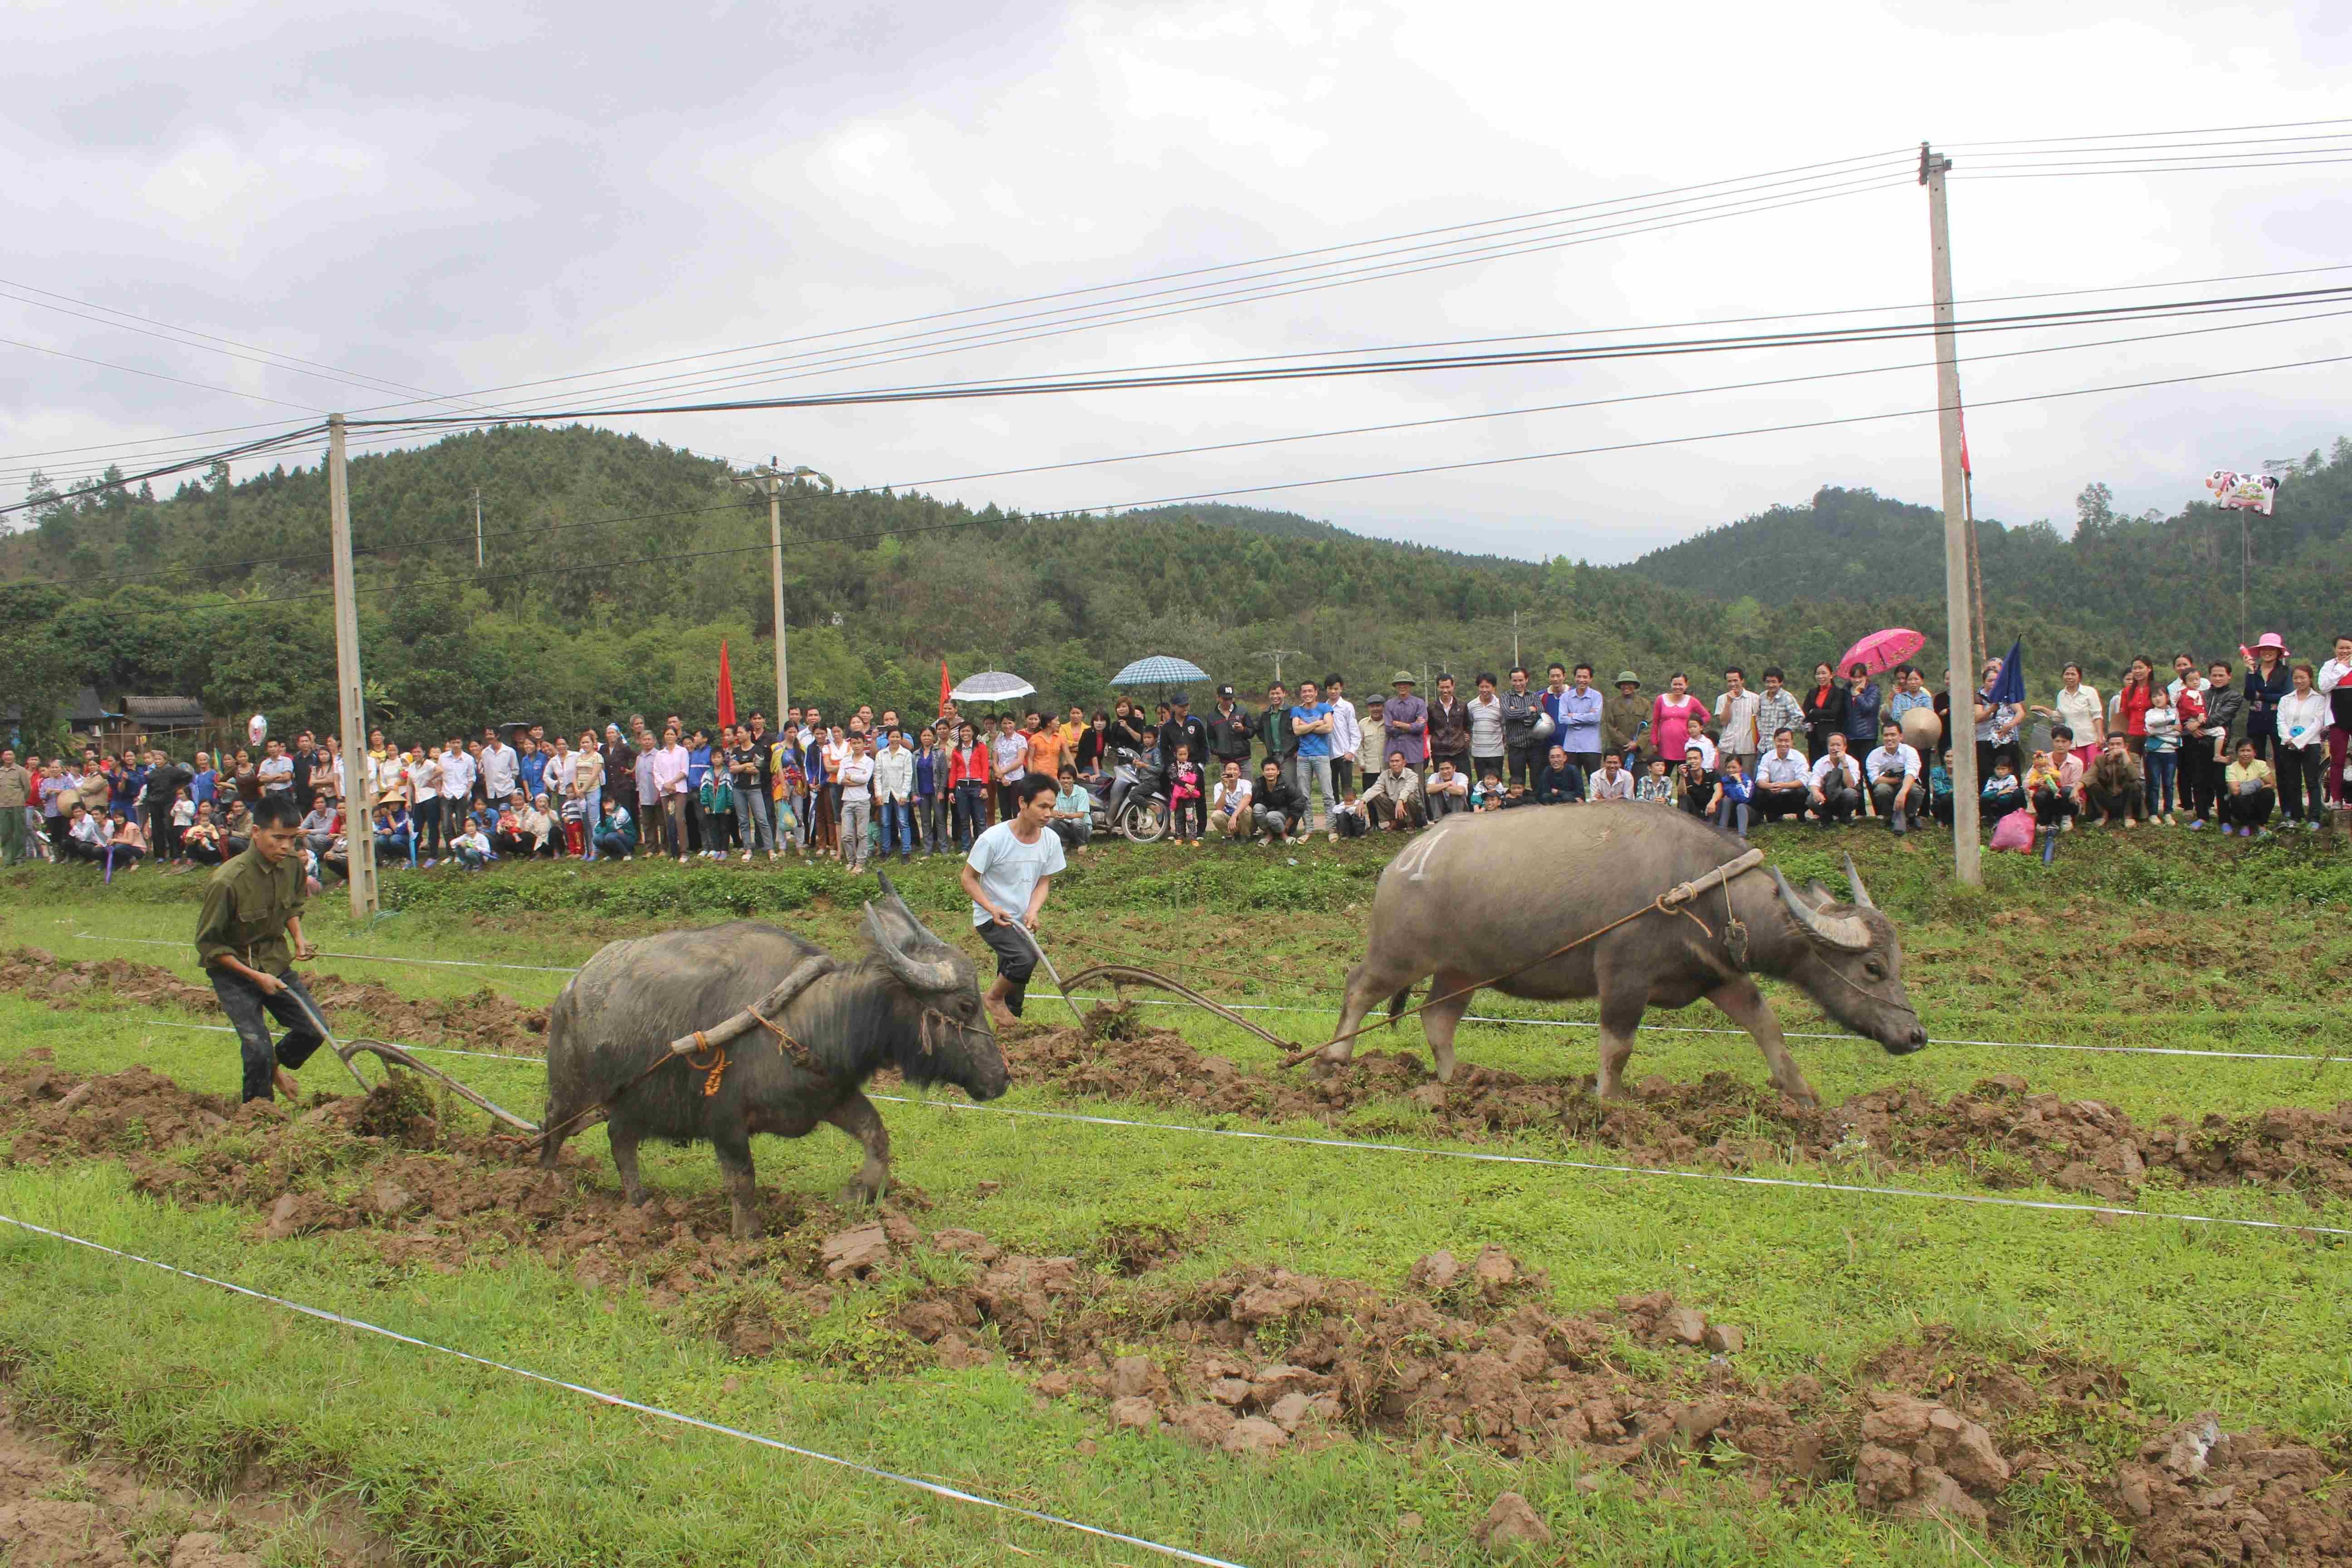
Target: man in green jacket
column 1622, row 717
column 16, row 794
column 252, row 905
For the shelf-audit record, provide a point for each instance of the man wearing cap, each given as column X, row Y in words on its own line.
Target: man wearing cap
column 1230, row 728
column 1404, row 721
column 1183, row 729
column 1623, row 717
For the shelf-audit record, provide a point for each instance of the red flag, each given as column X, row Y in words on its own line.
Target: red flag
column 726, row 690
column 1964, row 445
column 944, row 687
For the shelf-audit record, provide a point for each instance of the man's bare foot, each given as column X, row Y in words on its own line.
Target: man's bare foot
column 1001, row 1014
column 289, row 1087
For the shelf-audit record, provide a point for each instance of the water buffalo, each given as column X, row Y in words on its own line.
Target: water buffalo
column 912, row 1003
column 1480, row 896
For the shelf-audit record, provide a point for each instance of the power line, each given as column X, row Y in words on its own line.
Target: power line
column 1962, row 172
column 1152, row 377
column 156, row 375
column 2123, row 135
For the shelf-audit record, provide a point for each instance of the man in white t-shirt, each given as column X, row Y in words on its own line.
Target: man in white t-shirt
column 1784, row 780
column 1837, row 784
column 1896, row 783
column 1007, row 875
column 1229, row 808
column 1735, row 714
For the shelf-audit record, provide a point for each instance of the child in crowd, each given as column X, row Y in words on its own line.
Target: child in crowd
column 2002, row 792
column 2050, row 792
column 183, row 817
column 2160, row 756
column 1186, row 810
column 1727, row 805
column 1488, row 793
column 1348, row 818
column 1655, row 784
column 1939, row 791
column 575, row 822
column 472, row 847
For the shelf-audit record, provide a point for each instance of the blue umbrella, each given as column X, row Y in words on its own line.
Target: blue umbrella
column 2011, row 686
column 1159, row 670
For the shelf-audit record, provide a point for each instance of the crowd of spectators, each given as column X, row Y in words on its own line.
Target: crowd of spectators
column 2214, row 745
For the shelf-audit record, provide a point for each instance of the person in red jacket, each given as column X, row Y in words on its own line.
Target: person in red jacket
column 2132, row 704
column 967, row 784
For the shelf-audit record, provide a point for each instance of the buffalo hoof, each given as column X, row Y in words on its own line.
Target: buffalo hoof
column 858, row 1192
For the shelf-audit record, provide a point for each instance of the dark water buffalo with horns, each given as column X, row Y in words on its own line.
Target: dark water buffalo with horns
column 911, row 1003
column 1479, row 897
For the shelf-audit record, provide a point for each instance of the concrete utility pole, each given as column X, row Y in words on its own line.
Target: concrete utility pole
column 1967, row 849
column 477, row 526
column 1279, row 655
column 772, row 476
column 359, row 806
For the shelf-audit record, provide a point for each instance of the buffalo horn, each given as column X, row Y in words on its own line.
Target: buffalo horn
column 1842, row 932
column 1853, row 880
column 922, row 973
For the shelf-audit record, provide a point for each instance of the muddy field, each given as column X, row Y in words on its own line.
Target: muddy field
column 58, row 1509
column 2004, row 1134
column 1999, row 1132
column 1253, row 1361
column 484, row 1020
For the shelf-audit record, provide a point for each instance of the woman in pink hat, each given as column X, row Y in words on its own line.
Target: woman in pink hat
column 2267, row 680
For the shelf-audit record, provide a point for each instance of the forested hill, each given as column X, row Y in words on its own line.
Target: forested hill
column 614, row 567
column 2154, row 581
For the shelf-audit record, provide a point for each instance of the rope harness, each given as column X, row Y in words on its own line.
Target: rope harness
column 1672, row 901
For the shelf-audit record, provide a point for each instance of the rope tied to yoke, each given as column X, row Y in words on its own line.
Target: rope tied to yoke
column 1672, row 901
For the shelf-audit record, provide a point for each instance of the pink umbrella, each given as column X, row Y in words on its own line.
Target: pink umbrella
column 1883, row 650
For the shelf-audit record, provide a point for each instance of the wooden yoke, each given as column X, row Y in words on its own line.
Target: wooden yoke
column 757, row 1016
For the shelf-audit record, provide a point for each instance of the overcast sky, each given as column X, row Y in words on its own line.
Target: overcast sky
column 454, row 198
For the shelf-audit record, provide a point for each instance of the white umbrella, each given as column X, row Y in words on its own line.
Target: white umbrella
column 991, row 686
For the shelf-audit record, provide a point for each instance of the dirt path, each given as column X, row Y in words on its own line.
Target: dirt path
column 56, row 1512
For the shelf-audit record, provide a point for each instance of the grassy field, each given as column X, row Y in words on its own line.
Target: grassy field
column 2145, row 940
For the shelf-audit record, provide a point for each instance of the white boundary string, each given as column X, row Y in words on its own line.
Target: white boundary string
column 1664, row 1172
column 1467, row 1017
column 935, row 1488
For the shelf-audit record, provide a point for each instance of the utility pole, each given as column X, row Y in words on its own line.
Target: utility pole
column 1515, row 639
column 772, row 476
column 1279, row 655
column 1967, row 849
column 359, row 815
column 477, row 527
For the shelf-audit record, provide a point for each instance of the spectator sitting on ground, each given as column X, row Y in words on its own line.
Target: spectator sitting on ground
column 1611, row 782
column 1396, row 799
column 2249, row 793
column 1940, row 791
column 510, row 836
column 2003, row 792
column 2053, row 783
column 2114, row 791
column 1348, row 818
column 1657, row 785
column 472, row 850
column 1073, row 821
column 1276, row 810
column 1558, row 781
column 1784, row 779
column 1694, row 789
column 1448, row 790
column 1837, row 782
column 1891, row 774
column 1487, row 794
column 1727, row 805
column 1229, row 809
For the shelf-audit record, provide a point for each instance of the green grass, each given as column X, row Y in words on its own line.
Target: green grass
column 2160, row 940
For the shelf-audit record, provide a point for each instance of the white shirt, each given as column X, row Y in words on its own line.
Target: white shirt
column 501, row 768
column 894, row 775
column 2302, row 719
column 1701, row 748
column 277, row 773
column 1230, row 798
column 1845, row 764
column 2079, row 709
column 1738, row 728
column 1010, row 870
column 854, row 775
column 457, row 775
column 2331, row 674
column 1882, row 763
column 1602, row 786
column 1486, row 726
column 1347, row 732
column 1773, row 768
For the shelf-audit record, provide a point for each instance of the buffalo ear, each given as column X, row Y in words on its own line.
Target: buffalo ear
column 1819, row 895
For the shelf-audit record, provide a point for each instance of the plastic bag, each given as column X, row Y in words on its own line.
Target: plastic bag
column 2014, row 831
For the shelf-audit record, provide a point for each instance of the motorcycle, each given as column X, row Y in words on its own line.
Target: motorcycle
column 1135, row 806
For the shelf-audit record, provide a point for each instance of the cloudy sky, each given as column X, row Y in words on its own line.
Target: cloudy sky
column 451, row 199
